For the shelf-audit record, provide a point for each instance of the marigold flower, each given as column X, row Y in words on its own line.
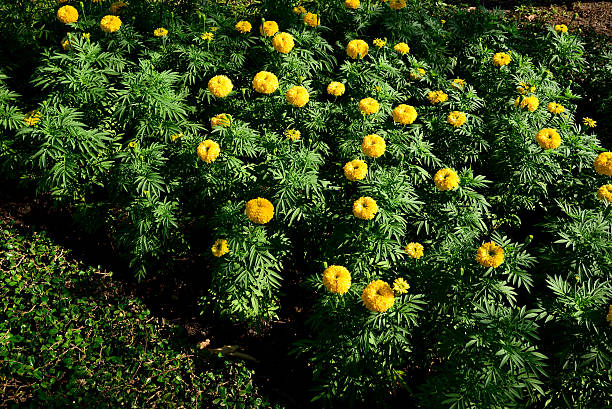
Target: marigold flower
column 378, row 296
column 67, row 14
column 490, row 255
column 357, row 48
column 32, row 118
column 404, row 114
column 501, row 59
column 220, row 86
column 299, row 10
column 110, row 24
column 293, row 134
column 268, row 29
column 160, row 32
column 436, row 97
column 603, row 163
column 283, row 42
column 531, row 102
column 223, row 120
column 65, row 43
column 400, row 286
column 369, row 106
column 548, row 138
column 351, row 4
column 117, row 7
column 312, row 20
column 589, row 122
column 355, row 170
column 401, row 48
column 420, row 73
column 379, row 42
column 446, row 179
column 525, row 87
column 176, row 136
column 609, row 317
column 458, row 83
column 336, row 88
column 260, row 210
column 220, row 248
column 265, row 82
column 365, row 208
column 555, row 108
column 560, row 28
column 414, row 250
column 297, row 96
column 605, row 193
column 337, row 279
column 373, row 145
column 456, row 118
column 208, row 150
column 86, row 36
column 243, row 27
column 207, row 36
column 397, row 4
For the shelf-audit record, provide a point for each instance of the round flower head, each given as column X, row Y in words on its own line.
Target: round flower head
column 351, row 4
column 283, row 42
column 490, row 255
column 220, row 248
column 265, row 82
column 299, row 10
column 555, row 108
column 297, row 96
column 456, row 118
column 293, row 134
column 160, row 32
column 369, row 106
column 603, row 163
column 401, row 48
column 414, row 250
column 458, row 83
column 220, row 86
column 67, row 14
column 223, row 120
column 397, row 4
column 110, row 24
column 355, row 170
column 436, row 97
column 605, row 193
column 531, row 102
column 560, row 28
column 268, row 29
column 243, row 27
column 373, row 145
column 336, row 88
column 501, row 59
column 400, row 286
column 365, row 208
column 208, row 151
column 446, row 179
column 404, row 114
column 420, row 73
column 312, row 19
column 337, row 279
column 357, row 49
column 548, row 138
column 117, row 7
column 378, row 296
column 259, row 211
column 32, row 118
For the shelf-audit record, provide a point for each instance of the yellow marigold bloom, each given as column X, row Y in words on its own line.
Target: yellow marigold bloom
column 208, row 36
column 456, row 118
column 32, row 118
column 555, row 108
column 436, row 97
column 160, row 32
column 337, row 279
column 379, row 42
column 548, row 138
column 603, row 163
column 299, row 10
column 420, row 73
column 223, row 120
column 259, row 211
column 458, row 83
column 524, row 87
column 67, row 14
column 243, row 27
column 609, row 317
column 208, row 151
column 86, row 36
column 501, row 59
column 378, row 296
column 283, row 42
column 414, row 250
column 268, row 29
column 293, row 134
column 357, row 48
column 265, row 82
column 490, row 255
column 110, row 24
column 369, row 106
column 404, row 114
column 605, row 193
column 589, row 122
column 220, row 248
column 355, row 170
column 176, row 136
column 65, row 44
column 531, row 102
column 351, row 4
column 312, row 20
column 401, row 48
column 400, row 286
column 220, row 86
column 373, row 145
column 560, row 28
column 397, row 4
column 297, row 96
column 365, row 208
column 336, row 88
column 117, row 7
column 446, row 179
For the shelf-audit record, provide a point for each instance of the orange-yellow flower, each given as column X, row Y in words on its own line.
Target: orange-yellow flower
column 283, row 43
column 269, row 28
column 336, row 88
column 501, row 59
column 355, row 170
column 208, row 150
column 337, row 279
column 312, row 19
column 365, row 208
column 369, row 106
column 220, row 248
column 373, row 145
column 548, row 138
column 401, row 48
column 456, row 118
column 223, row 120
column 397, row 4
column 603, row 163
column 67, row 14
column 446, row 179
column 220, row 86
column 265, row 82
column 351, row 4
column 110, row 24
column 415, row 250
column 357, row 48
column 243, row 27
column 260, row 210
column 555, row 108
column 490, row 255
column 297, row 96
column 378, row 296
column 404, row 114
column 605, row 193
column 436, row 97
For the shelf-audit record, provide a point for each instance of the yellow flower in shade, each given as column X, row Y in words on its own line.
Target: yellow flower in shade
column 379, row 42
column 418, row 74
column 400, row 286
column 176, row 136
column 401, row 48
column 117, row 7
column 133, row 144
column 501, row 59
column 560, row 28
column 525, row 87
column 297, row 96
column 357, row 49
column 65, row 44
column 283, row 42
column 337, row 279
column 365, row 208
column 446, row 179
column 397, row 4
column 555, row 108
column 436, row 97
column 110, row 24
column 208, row 36
column 220, row 86
column 373, row 145
column 456, row 118
column 605, row 193
column 490, row 255
column 32, row 118
column 404, row 114
column 548, row 138
column 86, row 36
column 299, row 10
column 414, row 250
column 336, row 88
column 160, row 32
column 351, row 4
column 67, row 14
column 259, row 211
column 609, row 317
column 589, row 122
column 243, row 27
column 265, row 82
column 368, row 106
column 268, row 29
column 220, row 248
column 213, row 29
column 603, row 163
column 378, row 296
column 531, row 102
column 293, row 134
column 312, row 20
column 458, row 83
column 208, row 151
column 355, row 170
column 223, row 120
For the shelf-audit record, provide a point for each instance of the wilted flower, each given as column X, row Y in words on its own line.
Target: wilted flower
column 220, row 248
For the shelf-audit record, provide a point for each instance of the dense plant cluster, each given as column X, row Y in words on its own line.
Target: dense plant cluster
column 422, row 170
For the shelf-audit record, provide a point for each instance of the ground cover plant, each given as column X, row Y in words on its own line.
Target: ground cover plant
column 421, row 170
